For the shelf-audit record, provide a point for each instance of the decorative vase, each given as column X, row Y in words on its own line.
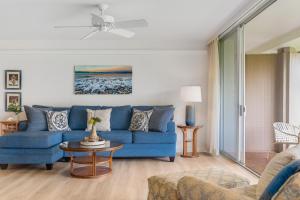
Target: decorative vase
column 93, row 136
column 190, row 115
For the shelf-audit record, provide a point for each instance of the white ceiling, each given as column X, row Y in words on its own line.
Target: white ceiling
column 278, row 26
column 173, row 24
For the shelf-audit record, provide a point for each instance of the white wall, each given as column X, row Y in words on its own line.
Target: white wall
column 157, row 78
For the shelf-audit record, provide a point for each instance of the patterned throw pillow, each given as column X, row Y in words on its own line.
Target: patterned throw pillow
column 140, row 120
column 103, row 115
column 57, row 120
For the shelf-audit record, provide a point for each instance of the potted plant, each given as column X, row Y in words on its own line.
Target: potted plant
column 12, row 107
column 93, row 137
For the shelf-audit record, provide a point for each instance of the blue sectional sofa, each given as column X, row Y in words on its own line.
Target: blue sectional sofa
column 42, row 147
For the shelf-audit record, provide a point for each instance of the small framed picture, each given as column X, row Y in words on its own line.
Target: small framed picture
column 13, row 79
column 12, row 100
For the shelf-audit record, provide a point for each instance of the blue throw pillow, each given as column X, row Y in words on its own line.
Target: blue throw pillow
column 52, row 108
column 145, row 108
column 36, row 118
column 120, row 117
column 160, row 118
column 283, row 175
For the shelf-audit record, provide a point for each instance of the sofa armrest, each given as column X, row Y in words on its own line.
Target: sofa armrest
column 22, row 125
column 171, row 127
column 190, row 188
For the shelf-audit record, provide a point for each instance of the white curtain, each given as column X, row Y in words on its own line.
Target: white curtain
column 213, row 98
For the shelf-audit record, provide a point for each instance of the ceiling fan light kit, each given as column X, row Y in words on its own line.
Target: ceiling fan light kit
column 106, row 23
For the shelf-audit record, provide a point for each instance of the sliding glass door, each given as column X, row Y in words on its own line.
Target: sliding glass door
column 232, row 95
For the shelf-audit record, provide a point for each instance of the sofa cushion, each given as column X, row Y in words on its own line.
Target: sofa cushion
column 30, row 156
column 78, row 116
column 73, row 136
column 160, row 118
column 31, row 139
column 120, row 117
column 36, row 118
column 120, row 136
column 154, row 137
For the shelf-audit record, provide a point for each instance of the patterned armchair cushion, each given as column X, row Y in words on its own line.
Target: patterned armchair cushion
column 290, row 190
column 165, row 186
column 249, row 191
column 274, row 166
column 190, row 188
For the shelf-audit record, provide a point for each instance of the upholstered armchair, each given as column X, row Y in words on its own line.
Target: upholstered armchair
column 220, row 184
column 190, row 188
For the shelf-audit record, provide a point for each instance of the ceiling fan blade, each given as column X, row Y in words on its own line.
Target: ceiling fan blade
column 131, row 23
column 73, row 26
column 122, row 32
column 97, row 20
column 90, row 34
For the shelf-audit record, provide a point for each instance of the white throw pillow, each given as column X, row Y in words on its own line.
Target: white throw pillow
column 104, row 115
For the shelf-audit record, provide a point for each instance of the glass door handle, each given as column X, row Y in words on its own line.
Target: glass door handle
column 242, row 110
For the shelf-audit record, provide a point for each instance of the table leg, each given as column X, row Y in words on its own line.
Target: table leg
column 94, row 163
column 194, row 153
column 184, row 131
column 110, row 159
column 71, row 163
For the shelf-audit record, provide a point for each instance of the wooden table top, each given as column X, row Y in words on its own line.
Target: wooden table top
column 8, row 122
column 77, row 147
column 185, row 126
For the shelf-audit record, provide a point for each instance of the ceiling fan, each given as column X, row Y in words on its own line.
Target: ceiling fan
column 106, row 23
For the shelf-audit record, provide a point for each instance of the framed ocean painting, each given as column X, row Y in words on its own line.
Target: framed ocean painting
column 102, row 79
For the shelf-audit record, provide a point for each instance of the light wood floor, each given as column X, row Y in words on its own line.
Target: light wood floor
column 128, row 180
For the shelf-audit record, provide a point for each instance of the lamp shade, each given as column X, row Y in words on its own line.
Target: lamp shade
column 191, row 94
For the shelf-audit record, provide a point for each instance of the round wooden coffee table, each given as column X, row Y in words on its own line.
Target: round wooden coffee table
column 90, row 168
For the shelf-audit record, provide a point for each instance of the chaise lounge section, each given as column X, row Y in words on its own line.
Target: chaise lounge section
column 39, row 147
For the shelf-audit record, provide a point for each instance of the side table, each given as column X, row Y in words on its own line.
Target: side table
column 185, row 129
column 8, row 127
